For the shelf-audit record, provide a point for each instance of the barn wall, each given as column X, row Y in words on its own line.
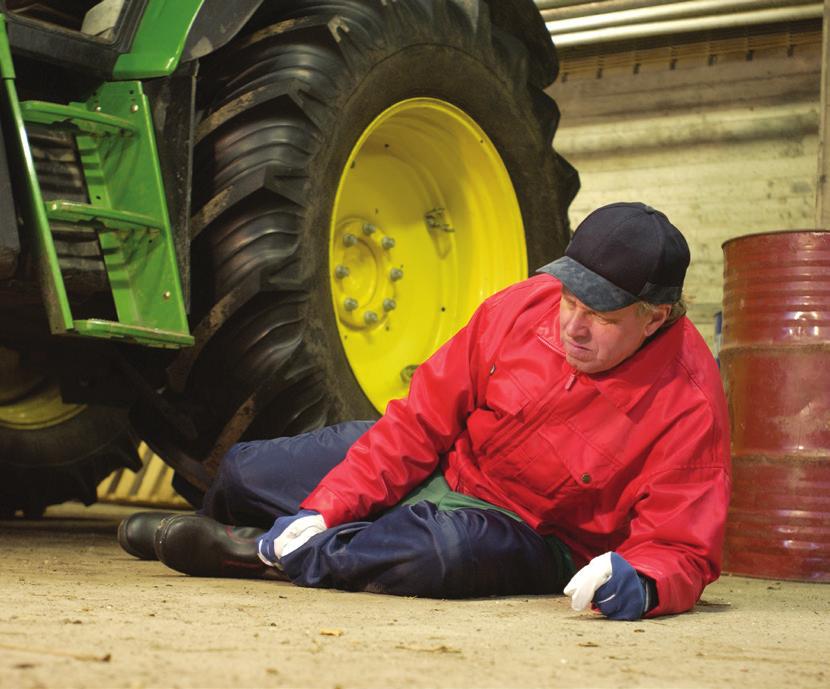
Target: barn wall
column 721, row 136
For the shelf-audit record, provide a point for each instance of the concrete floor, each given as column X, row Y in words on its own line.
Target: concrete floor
column 77, row 612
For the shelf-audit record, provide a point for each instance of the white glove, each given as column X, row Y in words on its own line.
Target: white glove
column 586, row 581
column 298, row 533
column 614, row 586
column 288, row 534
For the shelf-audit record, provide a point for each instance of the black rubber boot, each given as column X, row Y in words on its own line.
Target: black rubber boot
column 202, row 547
column 136, row 533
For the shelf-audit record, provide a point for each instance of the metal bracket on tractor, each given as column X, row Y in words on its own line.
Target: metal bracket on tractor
column 126, row 209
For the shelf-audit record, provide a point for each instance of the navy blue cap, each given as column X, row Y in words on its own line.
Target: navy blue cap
column 621, row 254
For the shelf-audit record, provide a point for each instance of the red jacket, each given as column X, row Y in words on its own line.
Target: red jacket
column 635, row 459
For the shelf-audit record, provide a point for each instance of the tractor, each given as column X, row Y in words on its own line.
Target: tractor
column 223, row 221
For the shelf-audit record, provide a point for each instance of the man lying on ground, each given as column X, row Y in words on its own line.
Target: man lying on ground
column 572, row 436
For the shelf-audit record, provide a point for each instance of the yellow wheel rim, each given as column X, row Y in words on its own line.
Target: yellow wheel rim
column 29, row 398
column 426, row 224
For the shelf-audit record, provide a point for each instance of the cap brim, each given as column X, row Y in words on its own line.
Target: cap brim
column 591, row 289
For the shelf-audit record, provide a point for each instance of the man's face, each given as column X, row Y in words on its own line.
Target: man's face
column 597, row 341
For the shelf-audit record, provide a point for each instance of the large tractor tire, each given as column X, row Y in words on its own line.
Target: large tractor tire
column 51, row 451
column 365, row 174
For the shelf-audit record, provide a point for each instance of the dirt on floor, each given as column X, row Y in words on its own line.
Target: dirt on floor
column 76, row 611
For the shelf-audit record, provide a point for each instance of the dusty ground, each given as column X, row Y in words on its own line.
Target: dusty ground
column 77, row 612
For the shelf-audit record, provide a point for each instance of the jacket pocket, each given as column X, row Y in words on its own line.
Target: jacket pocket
column 500, row 415
column 589, row 467
column 503, row 395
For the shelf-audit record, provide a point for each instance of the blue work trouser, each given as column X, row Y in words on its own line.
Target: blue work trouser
column 413, row 549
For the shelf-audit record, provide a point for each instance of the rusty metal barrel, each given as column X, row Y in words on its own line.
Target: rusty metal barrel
column 775, row 363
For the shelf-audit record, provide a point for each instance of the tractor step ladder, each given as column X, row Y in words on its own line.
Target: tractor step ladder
column 127, row 210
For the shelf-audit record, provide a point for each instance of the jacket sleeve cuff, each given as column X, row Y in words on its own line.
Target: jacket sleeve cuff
column 672, row 594
column 650, row 591
column 334, row 509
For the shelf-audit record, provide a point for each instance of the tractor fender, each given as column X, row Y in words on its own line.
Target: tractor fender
column 218, row 21
column 215, row 25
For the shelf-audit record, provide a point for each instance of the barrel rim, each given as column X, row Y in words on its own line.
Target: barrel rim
column 805, row 231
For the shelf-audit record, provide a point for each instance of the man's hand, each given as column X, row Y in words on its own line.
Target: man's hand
column 288, row 534
column 613, row 585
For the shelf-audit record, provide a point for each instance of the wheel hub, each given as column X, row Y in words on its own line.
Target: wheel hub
column 30, row 398
column 425, row 225
column 365, row 275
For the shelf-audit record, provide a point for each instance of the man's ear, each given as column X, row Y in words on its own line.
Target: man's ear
column 656, row 318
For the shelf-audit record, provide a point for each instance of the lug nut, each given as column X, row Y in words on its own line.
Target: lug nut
column 407, row 372
column 389, row 304
column 134, row 107
column 350, row 304
column 370, row 318
column 368, row 229
column 167, row 294
column 387, row 243
column 341, row 272
column 349, row 239
column 395, row 274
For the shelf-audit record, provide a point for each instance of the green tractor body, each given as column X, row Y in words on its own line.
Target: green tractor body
column 226, row 221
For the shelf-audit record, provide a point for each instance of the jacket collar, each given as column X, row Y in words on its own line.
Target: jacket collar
column 625, row 384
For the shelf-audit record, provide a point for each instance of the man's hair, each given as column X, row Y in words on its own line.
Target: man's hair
column 678, row 310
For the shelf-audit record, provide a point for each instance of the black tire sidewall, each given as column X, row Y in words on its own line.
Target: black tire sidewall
column 66, row 461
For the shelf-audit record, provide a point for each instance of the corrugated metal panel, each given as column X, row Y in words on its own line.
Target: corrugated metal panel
column 726, row 145
column 151, row 486
column 583, row 24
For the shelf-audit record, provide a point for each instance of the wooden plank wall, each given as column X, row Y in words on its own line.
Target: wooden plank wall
column 724, row 141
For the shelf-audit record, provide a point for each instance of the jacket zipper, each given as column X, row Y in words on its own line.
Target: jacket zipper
column 574, row 372
column 571, row 379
